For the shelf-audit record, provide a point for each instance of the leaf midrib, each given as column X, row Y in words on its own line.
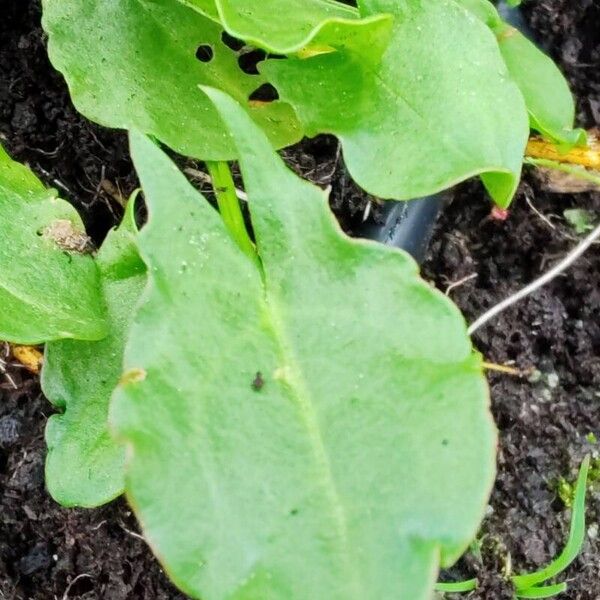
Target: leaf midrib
column 299, row 390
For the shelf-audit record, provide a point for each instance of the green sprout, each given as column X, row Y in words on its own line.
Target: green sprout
column 566, row 491
column 529, row 585
column 580, row 219
column 457, row 587
column 526, row 584
column 546, row 591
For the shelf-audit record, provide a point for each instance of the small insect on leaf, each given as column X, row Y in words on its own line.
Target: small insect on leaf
column 67, row 237
column 258, row 382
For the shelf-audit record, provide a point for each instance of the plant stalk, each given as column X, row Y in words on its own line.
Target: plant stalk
column 488, row 366
column 575, row 170
column 229, row 206
column 587, row 156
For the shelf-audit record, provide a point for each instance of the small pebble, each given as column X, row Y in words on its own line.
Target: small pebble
column 553, row 380
column 9, row 430
column 36, row 559
column 593, row 531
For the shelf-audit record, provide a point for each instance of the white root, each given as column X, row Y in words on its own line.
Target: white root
column 564, row 264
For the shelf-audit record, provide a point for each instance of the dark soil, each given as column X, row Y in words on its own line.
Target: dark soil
column 48, row 552
column 543, row 425
column 87, row 164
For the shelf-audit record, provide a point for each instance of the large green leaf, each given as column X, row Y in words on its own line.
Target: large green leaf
column 438, row 108
column 132, row 63
column 84, row 466
column 49, row 287
column 546, row 92
column 317, row 428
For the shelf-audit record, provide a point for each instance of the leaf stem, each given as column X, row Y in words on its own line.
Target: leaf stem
column 229, row 206
column 488, row 366
column 587, row 156
column 575, row 170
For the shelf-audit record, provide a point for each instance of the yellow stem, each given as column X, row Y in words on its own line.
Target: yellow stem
column 588, row 156
column 503, row 369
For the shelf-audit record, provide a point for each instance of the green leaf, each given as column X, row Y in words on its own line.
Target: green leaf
column 438, row 107
column 48, row 288
column 546, row 92
column 308, row 27
column 317, row 26
column 580, row 219
column 139, row 70
column 317, row 428
column 207, row 8
column 483, row 10
column 84, row 466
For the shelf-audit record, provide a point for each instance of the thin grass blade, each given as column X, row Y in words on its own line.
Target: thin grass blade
column 547, row 591
column 456, row 587
column 523, row 583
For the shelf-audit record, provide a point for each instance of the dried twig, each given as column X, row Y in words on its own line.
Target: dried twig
column 133, row 534
column 5, row 373
column 460, row 282
column 506, row 369
column 72, row 583
column 538, row 213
